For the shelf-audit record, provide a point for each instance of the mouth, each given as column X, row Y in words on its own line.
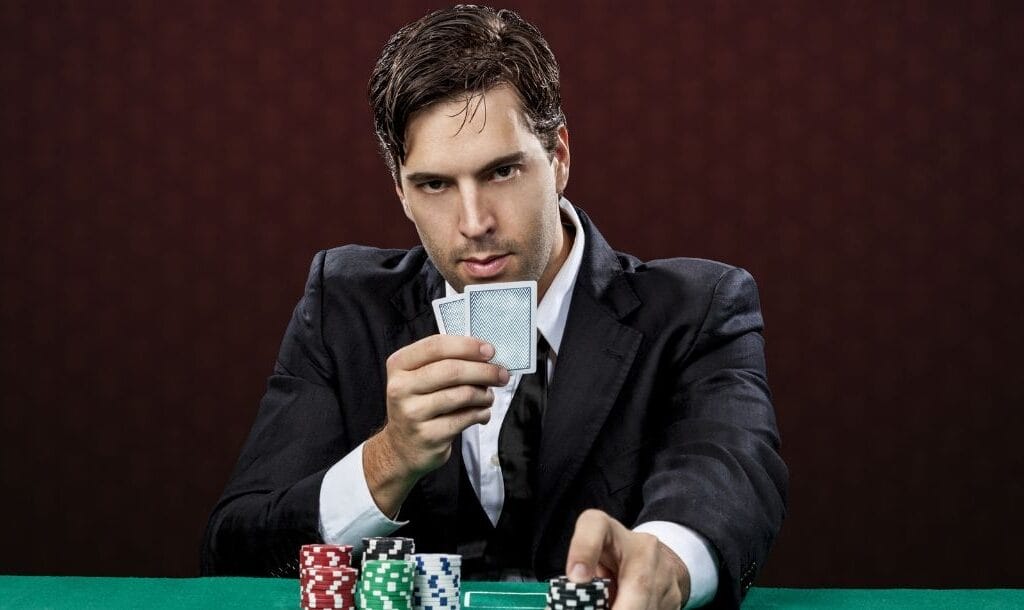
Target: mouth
column 483, row 267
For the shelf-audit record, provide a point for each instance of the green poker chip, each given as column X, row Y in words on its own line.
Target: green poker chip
column 385, row 584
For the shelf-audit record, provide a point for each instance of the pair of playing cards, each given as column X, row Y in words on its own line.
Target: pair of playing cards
column 504, row 315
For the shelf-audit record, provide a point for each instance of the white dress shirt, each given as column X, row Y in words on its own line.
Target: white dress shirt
column 348, row 512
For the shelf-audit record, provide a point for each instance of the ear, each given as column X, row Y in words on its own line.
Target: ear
column 561, row 159
column 401, row 197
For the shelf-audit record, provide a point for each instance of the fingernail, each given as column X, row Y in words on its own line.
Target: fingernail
column 503, row 376
column 578, row 573
column 486, row 350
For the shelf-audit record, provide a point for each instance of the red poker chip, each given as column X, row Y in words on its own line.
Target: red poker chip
column 325, row 562
column 325, row 555
column 336, row 571
column 325, row 565
column 326, row 601
column 328, row 553
column 324, row 574
column 349, row 597
column 330, row 587
column 330, row 565
column 339, row 551
column 326, row 593
column 322, row 584
column 317, row 560
column 327, row 582
column 317, row 548
column 334, row 590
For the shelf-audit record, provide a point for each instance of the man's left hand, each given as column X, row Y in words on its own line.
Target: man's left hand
column 648, row 575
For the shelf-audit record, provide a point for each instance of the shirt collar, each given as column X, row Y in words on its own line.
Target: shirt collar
column 553, row 309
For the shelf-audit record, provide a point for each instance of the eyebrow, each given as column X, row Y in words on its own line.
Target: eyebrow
column 510, row 159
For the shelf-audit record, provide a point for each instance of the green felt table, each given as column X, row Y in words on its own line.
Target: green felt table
column 84, row 593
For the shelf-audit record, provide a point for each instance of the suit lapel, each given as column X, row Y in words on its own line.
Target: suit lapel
column 415, row 319
column 439, row 488
column 595, row 356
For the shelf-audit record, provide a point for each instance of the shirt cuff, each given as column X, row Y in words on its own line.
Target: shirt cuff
column 694, row 551
column 347, row 510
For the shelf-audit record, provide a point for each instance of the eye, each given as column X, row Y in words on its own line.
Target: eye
column 433, row 186
column 506, row 172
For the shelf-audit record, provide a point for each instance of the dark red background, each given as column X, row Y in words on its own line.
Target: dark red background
column 169, row 169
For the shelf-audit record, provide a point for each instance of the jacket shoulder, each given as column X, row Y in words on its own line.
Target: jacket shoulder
column 681, row 276
column 366, row 270
column 688, row 290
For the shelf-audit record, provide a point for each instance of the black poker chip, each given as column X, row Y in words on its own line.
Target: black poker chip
column 564, row 594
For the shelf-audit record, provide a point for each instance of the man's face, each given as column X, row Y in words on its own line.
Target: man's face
column 483, row 192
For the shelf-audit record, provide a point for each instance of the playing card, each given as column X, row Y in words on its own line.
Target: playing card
column 451, row 315
column 505, row 315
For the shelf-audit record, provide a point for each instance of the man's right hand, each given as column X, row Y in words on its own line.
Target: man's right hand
column 437, row 387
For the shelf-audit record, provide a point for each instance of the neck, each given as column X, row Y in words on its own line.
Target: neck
column 563, row 244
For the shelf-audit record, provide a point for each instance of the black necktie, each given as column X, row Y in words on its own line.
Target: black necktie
column 519, row 444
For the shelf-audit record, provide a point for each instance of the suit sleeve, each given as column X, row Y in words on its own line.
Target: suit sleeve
column 719, row 470
column 270, row 506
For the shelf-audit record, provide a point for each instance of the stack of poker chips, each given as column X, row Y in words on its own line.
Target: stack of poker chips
column 386, row 584
column 326, row 578
column 563, row 594
column 436, row 581
column 396, row 549
column 325, row 556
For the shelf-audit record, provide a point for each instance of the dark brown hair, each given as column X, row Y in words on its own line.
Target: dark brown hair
column 460, row 50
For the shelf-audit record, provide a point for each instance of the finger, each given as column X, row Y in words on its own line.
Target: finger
column 450, row 400
column 446, row 427
column 639, row 581
column 593, row 533
column 439, row 347
column 448, row 373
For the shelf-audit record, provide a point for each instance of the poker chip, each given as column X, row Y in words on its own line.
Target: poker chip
column 563, row 594
column 385, row 584
column 324, row 600
column 385, row 549
column 326, row 578
column 325, row 555
column 436, row 581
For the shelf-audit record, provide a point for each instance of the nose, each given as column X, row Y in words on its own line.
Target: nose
column 476, row 218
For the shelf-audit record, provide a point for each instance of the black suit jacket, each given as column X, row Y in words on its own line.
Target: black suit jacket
column 658, row 410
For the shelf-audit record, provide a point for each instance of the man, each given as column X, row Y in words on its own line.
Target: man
column 655, row 458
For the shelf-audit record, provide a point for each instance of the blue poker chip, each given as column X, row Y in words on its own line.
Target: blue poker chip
column 436, row 581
